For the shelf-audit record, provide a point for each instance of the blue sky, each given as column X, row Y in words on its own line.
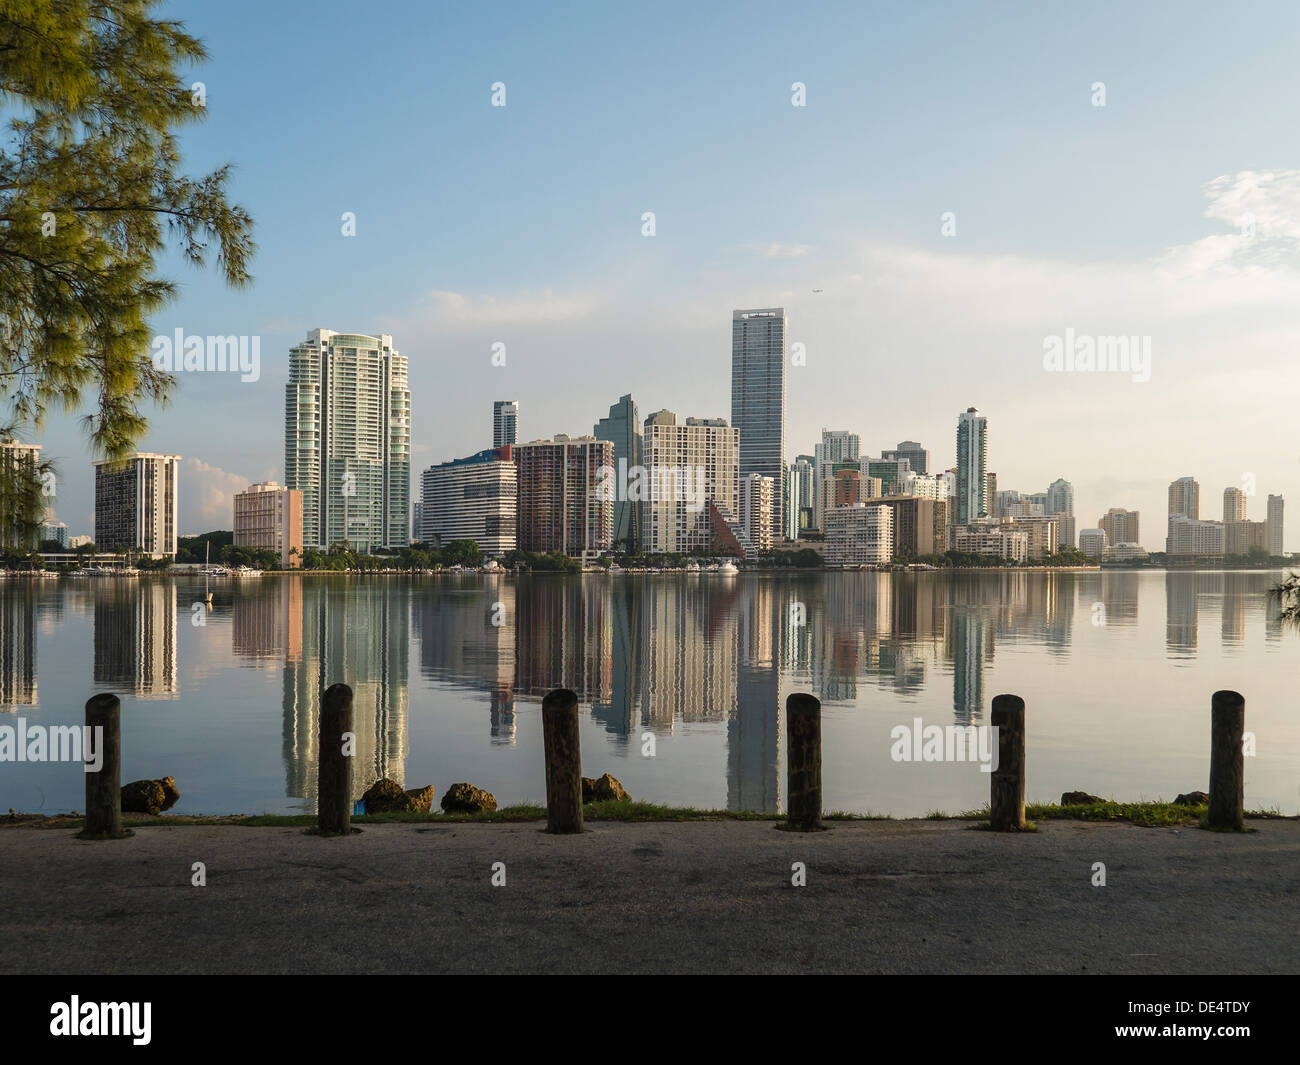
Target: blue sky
column 522, row 225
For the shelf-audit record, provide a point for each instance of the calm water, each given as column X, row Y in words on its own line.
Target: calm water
column 703, row 663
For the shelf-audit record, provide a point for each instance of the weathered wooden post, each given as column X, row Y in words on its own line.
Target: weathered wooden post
column 563, row 762
column 104, row 788
column 1007, row 788
column 1227, row 764
column 803, row 722
column 334, row 788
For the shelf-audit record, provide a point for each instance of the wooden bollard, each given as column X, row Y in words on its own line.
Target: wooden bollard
column 1227, row 764
column 104, row 788
column 803, row 722
column 1007, row 788
column 563, row 762
column 334, row 786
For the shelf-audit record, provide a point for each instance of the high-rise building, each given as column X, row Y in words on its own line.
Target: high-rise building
column 505, row 422
column 802, row 493
column 925, row 485
column 891, row 472
column 471, row 499
column 622, row 429
column 756, row 492
column 689, row 467
column 1190, row 536
column 1060, row 505
column 1245, row 537
column 918, row 458
column 1184, row 502
column 136, row 504
column 1234, row 505
column 972, row 468
column 837, row 446
column 1274, row 523
column 1093, row 542
column 566, row 502
column 758, row 396
column 268, row 517
column 18, row 464
column 860, row 534
column 920, row 525
column 347, row 439
column 53, row 529
column 1121, row 526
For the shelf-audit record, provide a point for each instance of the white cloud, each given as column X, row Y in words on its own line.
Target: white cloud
column 207, row 495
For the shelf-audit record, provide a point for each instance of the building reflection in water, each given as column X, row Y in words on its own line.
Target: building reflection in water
column 18, row 645
column 135, row 636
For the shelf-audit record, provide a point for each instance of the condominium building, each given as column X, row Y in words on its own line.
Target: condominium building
column 1184, row 502
column 998, row 541
column 347, row 439
column 917, row 457
column 758, row 396
column 136, row 504
column 505, row 422
column 1093, row 542
column 845, row 483
column 836, row 446
column 801, row 497
column 18, row 476
column 920, row 525
column 1234, row 505
column 268, row 517
column 991, row 495
column 1190, row 536
column 566, row 502
column 52, row 529
column 925, row 485
column 473, row 498
column 756, row 494
column 1123, row 552
column 1060, row 505
column 622, row 428
column 1245, row 537
column 972, row 468
column 890, row 472
column 1121, row 526
column 688, row 466
column 1274, row 522
column 859, row 534
column 1041, row 534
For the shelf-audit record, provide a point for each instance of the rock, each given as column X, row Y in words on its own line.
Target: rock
column 603, row 790
column 169, row 791
column 386, row 796
column 421, row 799
column 1193, row 798
column 1079, row 798
column 467, row 799
column 146, row 797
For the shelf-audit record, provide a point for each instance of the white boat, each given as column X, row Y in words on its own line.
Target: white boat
column 728, row 567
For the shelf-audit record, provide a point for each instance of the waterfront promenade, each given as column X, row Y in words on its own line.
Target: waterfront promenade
column 694, row 897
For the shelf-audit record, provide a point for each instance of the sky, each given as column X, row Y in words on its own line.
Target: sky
column 949, row 196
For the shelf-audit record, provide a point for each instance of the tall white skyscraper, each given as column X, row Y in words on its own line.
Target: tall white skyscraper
column 505, row 422
column 347, row 440
column 972, row 462
column 758, row 397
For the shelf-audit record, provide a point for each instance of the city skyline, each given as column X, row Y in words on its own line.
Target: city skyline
column 905, row 315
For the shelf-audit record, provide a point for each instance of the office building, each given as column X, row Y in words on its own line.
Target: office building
column 347, row 440
column 917, row 457
column 472, row 498
column 622, row 428
column 136, row 504
column 758, row 340
column 268, row 517
column 505, row 422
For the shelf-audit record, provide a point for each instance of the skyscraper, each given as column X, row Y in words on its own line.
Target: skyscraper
column 689, row 466
column 916, row 455
column 347, row 439
column 1234, row 505
column 136, row 504
column 1120, row 526
column 1060, row 505
column 972, row 460
column 18, row 462
column 1274, row 522
column 563, row 504
column 505, row 422
column 622, row 429
column 758, row 397
column 837, row 445
column 1184, row 502
column 472, row 498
